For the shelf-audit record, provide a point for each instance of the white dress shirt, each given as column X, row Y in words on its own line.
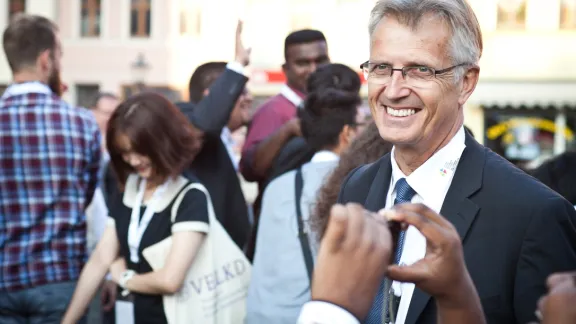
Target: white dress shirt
column 229, row 143
column 431, row 182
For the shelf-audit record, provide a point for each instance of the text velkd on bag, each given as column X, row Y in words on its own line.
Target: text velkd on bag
column 212, row 280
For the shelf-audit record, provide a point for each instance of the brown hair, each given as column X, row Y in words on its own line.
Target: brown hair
column 366, row 148
column 157, row 130
column 25, row 38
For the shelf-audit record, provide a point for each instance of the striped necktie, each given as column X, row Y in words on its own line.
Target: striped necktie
column 404, row 194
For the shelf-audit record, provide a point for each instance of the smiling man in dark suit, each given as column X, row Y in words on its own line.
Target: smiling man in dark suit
column 423, row 67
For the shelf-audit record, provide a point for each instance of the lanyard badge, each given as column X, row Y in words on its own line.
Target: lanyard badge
column 138, row 226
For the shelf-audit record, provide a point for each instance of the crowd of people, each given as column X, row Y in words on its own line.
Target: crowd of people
column 132, row 210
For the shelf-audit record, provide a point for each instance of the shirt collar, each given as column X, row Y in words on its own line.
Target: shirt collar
column 324, row 156
column 437, row 172
column 16, row 89
column 294, row 96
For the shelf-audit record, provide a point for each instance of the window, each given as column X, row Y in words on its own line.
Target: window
column 140, row 18
column 85, row 94
column 16, row 6
column 568, row 14
column 511, row 14
column 525, row 136
column 90, row 18
column 190, row 18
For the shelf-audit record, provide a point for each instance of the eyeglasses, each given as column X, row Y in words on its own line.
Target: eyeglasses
column 381, row 73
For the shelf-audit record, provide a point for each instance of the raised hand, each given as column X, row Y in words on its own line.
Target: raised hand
column 442, row 272
column 352, row 259
column 242, row 54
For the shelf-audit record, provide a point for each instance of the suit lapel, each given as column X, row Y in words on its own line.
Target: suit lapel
column 457, row 207
column 376, row 198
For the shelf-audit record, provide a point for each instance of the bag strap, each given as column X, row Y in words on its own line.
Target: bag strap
column 302, row 235
column 178, row 201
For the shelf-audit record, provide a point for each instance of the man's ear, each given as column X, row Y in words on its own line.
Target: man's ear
column 206, row 92
column 45, row 59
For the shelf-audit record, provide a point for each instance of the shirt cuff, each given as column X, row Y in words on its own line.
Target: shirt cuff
column 317, row 312
column 236, row 67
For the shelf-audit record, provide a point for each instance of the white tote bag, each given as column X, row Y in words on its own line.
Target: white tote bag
column 215, row 288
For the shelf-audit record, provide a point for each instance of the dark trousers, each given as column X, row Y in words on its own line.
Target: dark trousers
column 39, row 305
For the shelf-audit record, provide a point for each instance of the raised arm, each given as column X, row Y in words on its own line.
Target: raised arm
column 212, row 113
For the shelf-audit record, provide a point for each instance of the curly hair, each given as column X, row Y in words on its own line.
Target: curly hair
column 366, row 148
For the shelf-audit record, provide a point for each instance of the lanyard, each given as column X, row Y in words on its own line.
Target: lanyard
column 289, row 94
column 138, row 227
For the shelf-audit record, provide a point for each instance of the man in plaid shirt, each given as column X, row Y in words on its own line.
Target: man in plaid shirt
column 49, row 160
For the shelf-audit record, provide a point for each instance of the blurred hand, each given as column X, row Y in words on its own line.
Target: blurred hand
column 108, row 295
column 352, row 259
column 242, row 54
column 442, row 272
column 558, row 306
column 117, row 268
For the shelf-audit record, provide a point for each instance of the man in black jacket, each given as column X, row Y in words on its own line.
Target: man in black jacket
column 209, row 111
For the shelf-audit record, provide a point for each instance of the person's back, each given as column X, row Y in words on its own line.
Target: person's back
column 49, row 160
column 280, row 279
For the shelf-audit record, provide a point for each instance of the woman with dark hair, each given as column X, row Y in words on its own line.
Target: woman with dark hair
column 150, row 143
column 366, row 148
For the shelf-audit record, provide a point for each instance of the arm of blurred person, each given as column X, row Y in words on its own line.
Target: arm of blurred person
column 557, row 307
column 94, row 163
column 92, row 275
column 170, row 278
column 212, row 113
column 267, row 135
column 351, row 263
column 442, row 272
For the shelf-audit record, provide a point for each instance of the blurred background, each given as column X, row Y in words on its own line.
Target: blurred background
column 524, row 107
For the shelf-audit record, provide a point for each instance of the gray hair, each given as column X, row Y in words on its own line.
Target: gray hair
column 466, row 42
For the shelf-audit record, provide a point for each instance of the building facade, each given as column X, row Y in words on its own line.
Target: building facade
column 524, row 106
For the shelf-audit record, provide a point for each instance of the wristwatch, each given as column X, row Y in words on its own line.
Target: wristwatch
column 126, row 275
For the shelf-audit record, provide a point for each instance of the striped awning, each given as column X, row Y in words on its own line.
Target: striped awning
column 525, row 94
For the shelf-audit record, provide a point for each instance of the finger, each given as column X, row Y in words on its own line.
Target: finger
column 239, row 27
column 383, row 237
column 336, row 229
column 104, row 296
column 108, row 306
column 356, row 221
column 558, row 278
column 426, row 212
column 432, row 231
column 413, row 273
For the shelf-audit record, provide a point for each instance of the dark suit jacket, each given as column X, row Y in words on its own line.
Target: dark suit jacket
column 213, row 165
column 515, row 231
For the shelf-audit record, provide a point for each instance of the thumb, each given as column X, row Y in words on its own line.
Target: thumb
column 412, row 273
column 337, row 224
